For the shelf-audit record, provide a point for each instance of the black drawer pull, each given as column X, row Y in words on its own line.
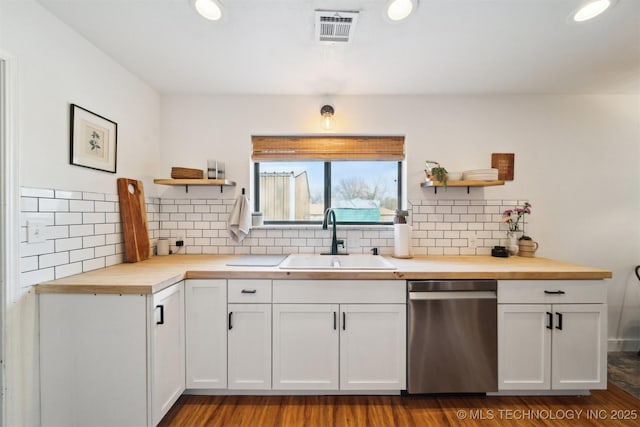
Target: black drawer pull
column 230, row 325
column 344, row 321
column 549, row 320
column 161, row 321
column 248, row 291
column 559, row 326
column 554, row 292
column 334, row 321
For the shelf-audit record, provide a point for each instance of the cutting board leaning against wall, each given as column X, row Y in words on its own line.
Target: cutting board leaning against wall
column 133, row 214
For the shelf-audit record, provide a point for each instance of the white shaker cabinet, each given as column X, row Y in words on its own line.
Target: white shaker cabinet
column 206, row 334
column 249, row 334
column 557, row 340
column 339, row 335
column 105, row 360
column 372, row 346
column 305, row 347
column 168, row 361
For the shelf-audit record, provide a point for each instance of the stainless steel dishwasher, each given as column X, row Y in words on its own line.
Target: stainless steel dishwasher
column 452, row 336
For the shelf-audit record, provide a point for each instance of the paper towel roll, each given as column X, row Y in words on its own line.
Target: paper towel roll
column 401, row 240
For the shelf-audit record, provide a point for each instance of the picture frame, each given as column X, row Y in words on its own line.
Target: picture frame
column 94, row 140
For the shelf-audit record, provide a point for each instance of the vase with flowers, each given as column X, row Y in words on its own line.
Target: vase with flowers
column 514, row 218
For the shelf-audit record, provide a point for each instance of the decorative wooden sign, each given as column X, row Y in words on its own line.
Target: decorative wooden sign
column 504, row 163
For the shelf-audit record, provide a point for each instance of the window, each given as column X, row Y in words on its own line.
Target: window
column 296, row 181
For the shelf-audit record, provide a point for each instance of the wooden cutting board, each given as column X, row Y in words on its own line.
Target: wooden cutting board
column 134, row 220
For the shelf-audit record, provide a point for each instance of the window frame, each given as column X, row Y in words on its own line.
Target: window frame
column 327, row 196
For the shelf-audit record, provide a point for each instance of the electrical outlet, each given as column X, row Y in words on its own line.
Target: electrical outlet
column 35, row 231
column 473, row 241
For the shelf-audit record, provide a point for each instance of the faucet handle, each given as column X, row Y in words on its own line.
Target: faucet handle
column 340, row 242
column 374, row 251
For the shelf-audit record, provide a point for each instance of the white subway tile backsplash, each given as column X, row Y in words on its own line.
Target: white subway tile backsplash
column 93, row 196
column 68, row 270
column 37, row 192
column 85, row 232
column 69, row 195
column 52, row 260
column 68, row 218
column 31, row 278
column 68, row 244
column 93, row 218
column 93, row 264
column 81, row 230
column 30, row 249
column 28, row 204
column 81, row 205
column 53, row 205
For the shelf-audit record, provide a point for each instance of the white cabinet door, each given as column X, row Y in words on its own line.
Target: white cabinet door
column 373, row 347
column 93, row 360
column 305, row 347
column 524, row 346
column 579, row 356
column 167, row 349
column 206, row 334
column 249, row 341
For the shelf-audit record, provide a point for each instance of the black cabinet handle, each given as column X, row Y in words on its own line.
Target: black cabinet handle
column 554, row 292
column 549, row 320
column 230, row 325
column 335, row 321
column 161, row 321
column 344, row 321
column 559, row 326
column 248, row 291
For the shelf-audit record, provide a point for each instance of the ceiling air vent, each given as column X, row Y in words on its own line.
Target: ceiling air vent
column 335, row 26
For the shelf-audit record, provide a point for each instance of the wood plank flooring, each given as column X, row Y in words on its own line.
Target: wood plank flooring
column 602, row 408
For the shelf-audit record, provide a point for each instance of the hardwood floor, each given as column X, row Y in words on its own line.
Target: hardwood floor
column 602, row 408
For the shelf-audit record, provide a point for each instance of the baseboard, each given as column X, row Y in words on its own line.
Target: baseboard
column 623, row 344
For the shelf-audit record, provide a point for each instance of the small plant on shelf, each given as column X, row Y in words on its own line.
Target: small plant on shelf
column 436, row 173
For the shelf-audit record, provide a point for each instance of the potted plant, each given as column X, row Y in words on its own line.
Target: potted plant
column 436, row 173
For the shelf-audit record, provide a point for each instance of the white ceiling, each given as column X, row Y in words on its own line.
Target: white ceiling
column 446, row 46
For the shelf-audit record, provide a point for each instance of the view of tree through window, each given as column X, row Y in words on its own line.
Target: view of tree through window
column 361, row 191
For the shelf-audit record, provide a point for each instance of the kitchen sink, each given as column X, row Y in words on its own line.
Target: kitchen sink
column 336, row 262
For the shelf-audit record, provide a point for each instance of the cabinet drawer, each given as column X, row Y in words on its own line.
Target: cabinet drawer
column 552, row 291
column 339, row 291
column 249, row 290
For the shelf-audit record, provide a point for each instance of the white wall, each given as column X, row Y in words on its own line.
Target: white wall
column 576, row 160
column 56, row 67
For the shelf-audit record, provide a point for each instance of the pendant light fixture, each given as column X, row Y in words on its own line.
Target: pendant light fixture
column 208, row 9
column 327, row 112
column 590, row 9
column 397, row 10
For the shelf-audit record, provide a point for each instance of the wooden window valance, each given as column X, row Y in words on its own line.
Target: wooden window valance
column 327, row 148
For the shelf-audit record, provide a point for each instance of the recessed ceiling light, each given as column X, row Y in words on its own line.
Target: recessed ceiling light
column 591, row 9
column 399, row 9
column 209, row 9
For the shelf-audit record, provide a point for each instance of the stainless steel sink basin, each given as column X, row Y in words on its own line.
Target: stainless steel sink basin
column 336, row 262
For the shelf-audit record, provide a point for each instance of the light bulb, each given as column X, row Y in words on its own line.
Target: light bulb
column 208, row 9
column 591, row 9
column 327, row 112
column 399, row 9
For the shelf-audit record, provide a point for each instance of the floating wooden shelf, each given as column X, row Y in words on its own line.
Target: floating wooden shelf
column 468, row 184
column 187, row 182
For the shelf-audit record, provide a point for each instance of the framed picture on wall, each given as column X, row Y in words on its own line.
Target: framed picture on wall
column 93, row 140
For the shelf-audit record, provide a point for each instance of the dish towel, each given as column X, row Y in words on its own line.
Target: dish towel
column 240, row 219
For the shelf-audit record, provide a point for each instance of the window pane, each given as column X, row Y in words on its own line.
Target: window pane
column 292, row 191
column 364, row 191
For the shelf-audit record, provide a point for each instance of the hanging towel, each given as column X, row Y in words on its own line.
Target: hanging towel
column 240, row 219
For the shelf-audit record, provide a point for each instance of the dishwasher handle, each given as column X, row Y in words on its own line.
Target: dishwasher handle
column 418, row 296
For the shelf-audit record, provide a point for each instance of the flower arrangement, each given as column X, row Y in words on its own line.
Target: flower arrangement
column 513, row 216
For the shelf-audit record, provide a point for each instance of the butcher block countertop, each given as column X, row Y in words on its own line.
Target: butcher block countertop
column 159, row 272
